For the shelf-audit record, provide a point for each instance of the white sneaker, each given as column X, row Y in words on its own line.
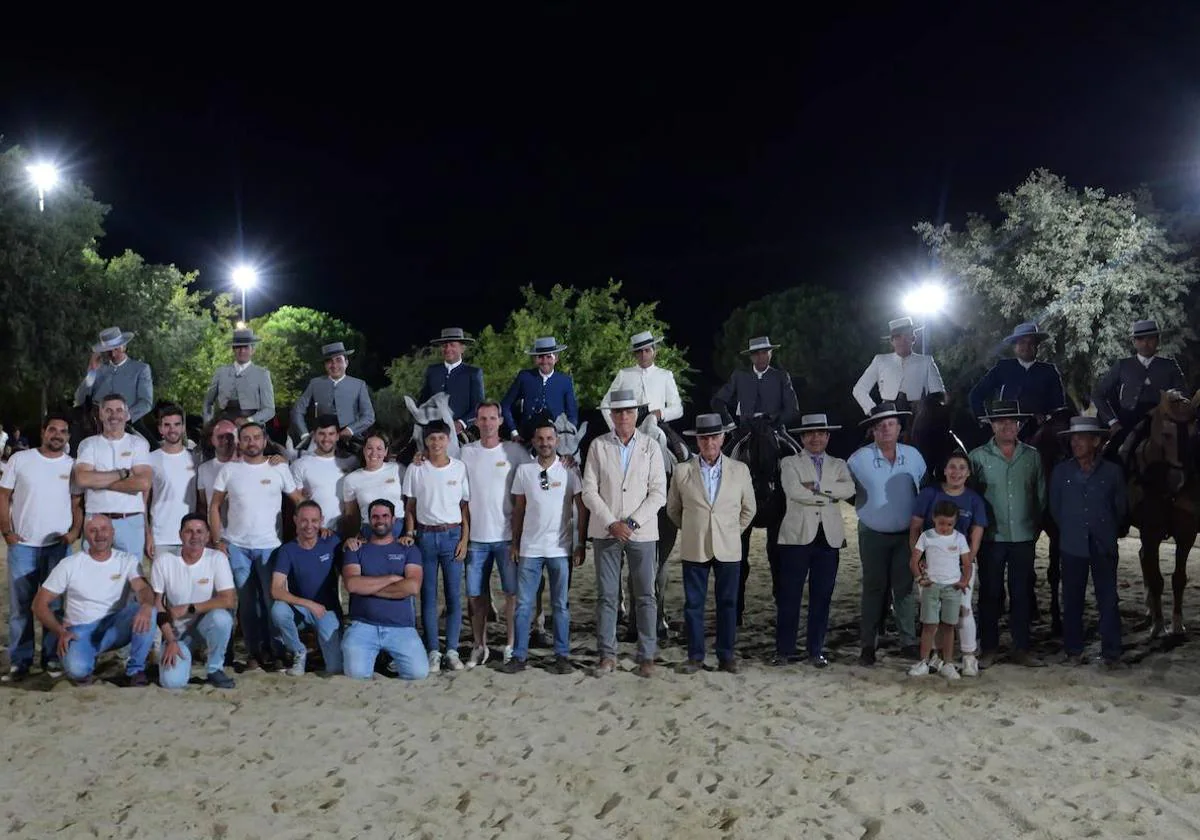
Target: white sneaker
column 435, row 662
column 935, row 662
column 297, row 669
column 508, row 653
column 949, row 671
column 479, row 655
column 453, row 663
column 970, row 665
column 392, row 667
column 921, row 669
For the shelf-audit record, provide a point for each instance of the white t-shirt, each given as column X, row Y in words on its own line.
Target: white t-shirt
column 41, row 499
column 438, row 491
column 255, row 505
column 321, row 480
column 180, row 583
column 943, row 555
column 93, row 589
column 206, row 477
column 490, row 473
column 105, row 455
column 546, row 530
column 364, row 486
column 174, row 493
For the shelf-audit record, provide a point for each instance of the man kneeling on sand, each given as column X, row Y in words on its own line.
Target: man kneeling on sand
column 195, row 599
column 382, row 576
column 99, row 613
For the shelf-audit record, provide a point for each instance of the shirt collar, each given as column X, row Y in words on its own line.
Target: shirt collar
column 1025, row 364
column 545, row 376
column 1145, row 360
column 450, row 367
column 241, row 368
column 714, row 467
column 118, row 364
column 339, row 379
column 760, row 373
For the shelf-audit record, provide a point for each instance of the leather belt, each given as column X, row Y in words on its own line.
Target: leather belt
column 118, row 515
column 437, row 528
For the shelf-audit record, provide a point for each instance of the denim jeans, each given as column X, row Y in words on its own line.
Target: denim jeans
column 437, row 551
column 288, row 618
column 1102, row 564
column 727, row 578
column 251, row 569
column 28, row 568
column 362, row 642
column 211, row 632
column 113, row 631
column 818, row 564
column 481, row 557
column 529, row 576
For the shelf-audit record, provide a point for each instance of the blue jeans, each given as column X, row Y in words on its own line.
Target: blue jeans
column 1102, row 565
column 28, row 568
column 817, row 563
column 529, row 572
column 251, row 569
column 213, row 632
column 727, row 579
column 113, row 631
column 481, row 557
column 362, row 642
column 437, row 551
column 129, row 534
column 288, row 618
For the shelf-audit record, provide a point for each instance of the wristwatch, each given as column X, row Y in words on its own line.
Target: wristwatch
column 124, row 473
column 191, row 609
column 633, row 526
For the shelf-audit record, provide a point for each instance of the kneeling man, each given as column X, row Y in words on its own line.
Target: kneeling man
column 305, row 588
column 382, row 577
column 195, row 599
column 99, row 613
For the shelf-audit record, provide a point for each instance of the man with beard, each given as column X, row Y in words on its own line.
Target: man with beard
column 113, row 468
column 173, row 487
column 319, row 473
column 304, row 586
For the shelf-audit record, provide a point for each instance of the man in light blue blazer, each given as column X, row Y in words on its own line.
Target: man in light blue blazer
column 336, row 393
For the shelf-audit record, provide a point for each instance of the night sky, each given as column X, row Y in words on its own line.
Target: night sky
column 420, row 176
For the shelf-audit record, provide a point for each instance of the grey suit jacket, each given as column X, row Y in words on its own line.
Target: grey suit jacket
column 349, row 400
column 252, row 389
column 132, row 380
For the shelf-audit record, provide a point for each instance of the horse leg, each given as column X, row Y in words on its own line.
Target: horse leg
column 1185, row 538
column 1054, row 578
column 1153, row 579
column 741, row 599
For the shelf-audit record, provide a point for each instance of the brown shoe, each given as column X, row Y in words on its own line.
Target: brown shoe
column 606, row 666
column 729, row 666
column 645, row 668
column 691, row 666
column 1025, row 659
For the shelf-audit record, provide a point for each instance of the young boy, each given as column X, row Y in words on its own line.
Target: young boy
column 947, row 573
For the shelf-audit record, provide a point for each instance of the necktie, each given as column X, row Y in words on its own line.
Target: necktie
column 334, row 406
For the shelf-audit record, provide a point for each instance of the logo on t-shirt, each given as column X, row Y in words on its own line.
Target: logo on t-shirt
column 556, row 484
column 324, row 558
column 451, row 483
column 390, row 481
column 127, row 454
column 502, row 464
column 117, row 576
column 203, row 581
column 265, row 481
column 65, row 476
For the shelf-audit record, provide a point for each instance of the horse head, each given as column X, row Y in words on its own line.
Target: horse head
column 570, row 438
column 436, row 407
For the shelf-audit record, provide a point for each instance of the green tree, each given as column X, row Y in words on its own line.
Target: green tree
column 406, row 374
column 826, row 337
column 1084, row 264
column 306, row 330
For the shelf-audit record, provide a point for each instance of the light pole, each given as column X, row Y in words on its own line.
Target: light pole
column 244, row 277
column 44, row 177
column 926, row 300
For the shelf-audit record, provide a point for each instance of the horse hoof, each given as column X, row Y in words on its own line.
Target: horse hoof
column 1177, row 627
column 1157, row 629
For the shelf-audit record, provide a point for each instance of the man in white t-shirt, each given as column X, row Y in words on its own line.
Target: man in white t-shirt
column 491, row 464
column 40, row 516
column 545, row 495
column 173, row 488
column 224, row 443
column 254, row 487
column 99, row 614
column 319, row 474
column 437, row 520
column 113, row 469
column 194, row 596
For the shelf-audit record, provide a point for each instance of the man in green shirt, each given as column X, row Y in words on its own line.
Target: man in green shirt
column 1009, row 476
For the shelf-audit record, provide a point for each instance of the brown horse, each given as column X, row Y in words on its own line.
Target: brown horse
column 1164, row 499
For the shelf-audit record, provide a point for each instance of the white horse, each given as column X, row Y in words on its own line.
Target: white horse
column 436, row 407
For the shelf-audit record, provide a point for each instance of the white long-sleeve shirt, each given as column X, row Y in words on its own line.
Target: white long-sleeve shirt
column 916, row 375
column 653, row 386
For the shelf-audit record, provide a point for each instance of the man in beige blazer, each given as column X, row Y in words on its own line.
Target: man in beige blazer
column 810, row 538
column 624, row 487
column 712, row 502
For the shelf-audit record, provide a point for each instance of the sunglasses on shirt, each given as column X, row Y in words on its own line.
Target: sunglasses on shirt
column 545, row 477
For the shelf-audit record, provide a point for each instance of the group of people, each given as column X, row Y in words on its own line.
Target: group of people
column 213, row 529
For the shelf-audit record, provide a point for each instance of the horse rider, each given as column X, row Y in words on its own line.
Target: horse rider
column 243, row 382
column 1133, row 386
column 112, row 371
column 338, row 394
column 762, row 390
column 901, row 372
column 540, row 389
column 654, row 386
column 1037, row 386
column 463, row 382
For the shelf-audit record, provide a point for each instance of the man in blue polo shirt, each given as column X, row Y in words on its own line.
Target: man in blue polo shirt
column 383, row 576
column 304, row 587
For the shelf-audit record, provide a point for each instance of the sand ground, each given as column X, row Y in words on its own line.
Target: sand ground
column 847, row 752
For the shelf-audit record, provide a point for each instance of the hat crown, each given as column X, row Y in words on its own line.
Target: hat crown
column 1147, row 326
column 110, row 334
column 1084, row 423
column 814, row 420
column 641, row 339
column 897, row 324
column 452, row 332
column 623, row 395
column 545, row 342
column 244, row 336
column 761, row 342
column 333, row 349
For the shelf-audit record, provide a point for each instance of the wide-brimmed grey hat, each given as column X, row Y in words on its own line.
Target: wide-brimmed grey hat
column 1029, row 329
column 453, row 334
column 623, row 398
column 709, row 424
column 243, row 338
column 883, row 411
column 1144, row 328
column 814, row 423
column 900, row 325
column 761, row 342
column 643, row 339
column 1085, row 425
column 335, row 348
column 111, row 338
column 546, row 344
column 1004, row 410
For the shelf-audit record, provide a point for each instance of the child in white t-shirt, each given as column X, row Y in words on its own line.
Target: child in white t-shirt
column 943, row 577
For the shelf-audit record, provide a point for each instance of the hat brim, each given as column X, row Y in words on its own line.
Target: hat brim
column 536, row 352
column 1021, row 416
column 1145, row 334
column 346, row 353
column 621, row 406
column 748, row 351
column 890, row 336
column 875, row 418
column 727, row 427
column 464, row 340
column 1037, row 336
column 1101, row 432
column 643, row 345
column 802, row 429
column 126, row 337
column 247, row 343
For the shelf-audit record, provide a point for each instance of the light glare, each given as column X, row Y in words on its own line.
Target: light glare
column 43, row 175
column 926, row 299
column 244, row 277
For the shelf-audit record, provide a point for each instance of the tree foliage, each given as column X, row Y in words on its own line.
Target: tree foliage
column 1083, row 264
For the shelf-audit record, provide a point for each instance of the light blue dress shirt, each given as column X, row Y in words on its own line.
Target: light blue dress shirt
column 711, row 476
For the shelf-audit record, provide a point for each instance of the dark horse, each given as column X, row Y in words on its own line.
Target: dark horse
column 761, row 446
column 930, row 430
column 1053, row 448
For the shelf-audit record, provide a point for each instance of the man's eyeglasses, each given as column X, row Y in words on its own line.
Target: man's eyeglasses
column 545, row 477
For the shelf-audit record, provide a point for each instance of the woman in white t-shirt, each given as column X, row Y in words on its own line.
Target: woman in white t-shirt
column 378, row 478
